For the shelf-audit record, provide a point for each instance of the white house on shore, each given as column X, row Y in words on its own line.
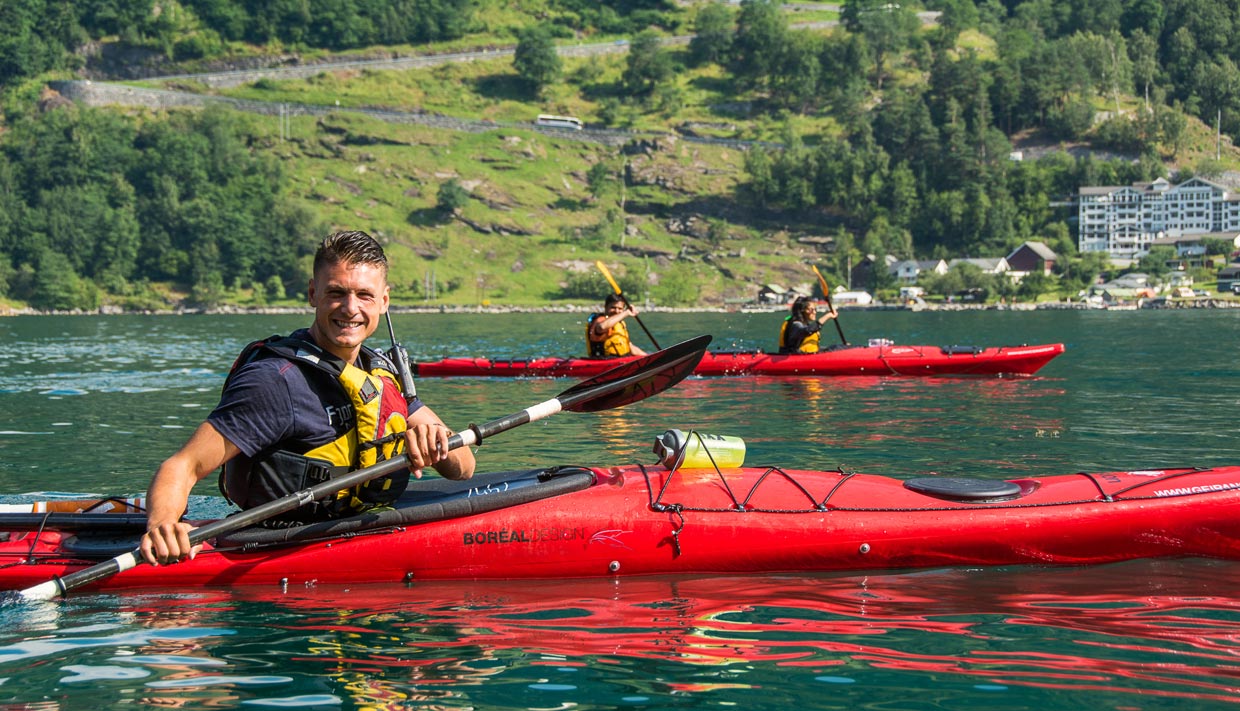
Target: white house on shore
column 909, row 270
column 844, row 297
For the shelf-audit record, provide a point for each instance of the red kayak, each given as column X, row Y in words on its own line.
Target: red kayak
column 577, row 522
column 851, row 360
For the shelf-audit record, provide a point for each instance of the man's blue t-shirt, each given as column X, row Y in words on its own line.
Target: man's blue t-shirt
column 272, row 404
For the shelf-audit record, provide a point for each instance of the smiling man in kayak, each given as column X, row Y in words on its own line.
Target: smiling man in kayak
column 799, row 332
column 296, row 410
column 606, row 333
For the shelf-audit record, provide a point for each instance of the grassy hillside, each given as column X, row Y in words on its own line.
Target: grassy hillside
column 532, row 222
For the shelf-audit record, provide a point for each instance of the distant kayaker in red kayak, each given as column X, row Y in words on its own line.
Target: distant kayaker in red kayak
column 607, row 335
column 295, row 410
column 799, row 332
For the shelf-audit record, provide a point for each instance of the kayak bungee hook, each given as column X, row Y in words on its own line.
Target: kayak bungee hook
column 677, row 509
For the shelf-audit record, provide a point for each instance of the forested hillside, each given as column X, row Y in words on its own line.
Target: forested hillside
column 859, row 129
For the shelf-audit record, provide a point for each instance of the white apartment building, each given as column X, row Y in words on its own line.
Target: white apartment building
column 1124, row 220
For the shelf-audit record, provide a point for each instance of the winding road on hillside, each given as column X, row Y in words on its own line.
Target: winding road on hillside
column 238, row 77
column 107, row 93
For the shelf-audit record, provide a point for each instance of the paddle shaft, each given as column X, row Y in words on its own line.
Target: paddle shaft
column 607, row 275
column 627, row 381
column 827, row 293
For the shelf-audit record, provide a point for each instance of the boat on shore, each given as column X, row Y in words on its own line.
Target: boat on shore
column 879, row 359
column 641, row 520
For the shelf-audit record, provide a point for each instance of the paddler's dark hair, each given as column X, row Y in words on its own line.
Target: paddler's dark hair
column 799, row 304
column 352, row 247
column 613, row 298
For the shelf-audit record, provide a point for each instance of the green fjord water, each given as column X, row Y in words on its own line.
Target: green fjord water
column 92, row 404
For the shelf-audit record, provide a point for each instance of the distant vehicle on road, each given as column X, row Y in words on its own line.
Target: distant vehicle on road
column 558, row 121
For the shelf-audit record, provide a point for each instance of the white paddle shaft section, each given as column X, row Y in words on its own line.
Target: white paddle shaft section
column 52, row 589
column 544, row 409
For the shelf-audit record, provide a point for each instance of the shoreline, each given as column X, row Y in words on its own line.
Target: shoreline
column 1152, row 304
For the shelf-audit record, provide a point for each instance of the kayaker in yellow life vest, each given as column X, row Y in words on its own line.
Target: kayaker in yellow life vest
column 800, row 330
column 305, row 406
column 607, row 336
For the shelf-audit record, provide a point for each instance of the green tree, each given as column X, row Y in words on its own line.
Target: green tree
column 845, row 255
column 844, row 60
column 1034, row 285
column 762, row 185
column 6, row 274
column 12, row 209
column 958, row 15
column 901, row 197
column 600, row 179
column 38, row 35
column 1143, row 51
column 972, row 277
column 1144, row 16
column 274, row 288
column 712, row 35
column 887, row 27
column 1172, row 129
column 57, row 285
column 761, row 32
column 1155, row 261
column 647, row 66
column 944, row 285
column 451, row 197
column 1179, row 57
column 1071, row 121
column 536, row 60
column 610, row 111
column 669, row 99
column 795, row 85
column 1079, row 273
column 258, row 291
column 1217, row 83
column 119, row 239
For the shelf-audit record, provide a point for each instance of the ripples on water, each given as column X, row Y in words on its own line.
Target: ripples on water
column 1136, row 635
column 93, row 404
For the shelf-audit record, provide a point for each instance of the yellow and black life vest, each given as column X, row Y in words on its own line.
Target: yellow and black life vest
column 380, row 415
column 808, row 345
column 613, row 343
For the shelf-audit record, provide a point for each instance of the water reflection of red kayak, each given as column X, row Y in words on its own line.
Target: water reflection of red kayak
column 855, row 360
column 1107, row 623
column 646, row 520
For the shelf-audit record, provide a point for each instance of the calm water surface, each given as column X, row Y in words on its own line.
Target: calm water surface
column 92, row 404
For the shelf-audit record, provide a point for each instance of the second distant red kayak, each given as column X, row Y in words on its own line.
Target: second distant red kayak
column 877, row 360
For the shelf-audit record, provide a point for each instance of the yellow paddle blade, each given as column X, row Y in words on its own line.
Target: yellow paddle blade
column 607, row 275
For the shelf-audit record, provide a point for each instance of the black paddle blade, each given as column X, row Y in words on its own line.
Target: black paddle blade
column 636, row 380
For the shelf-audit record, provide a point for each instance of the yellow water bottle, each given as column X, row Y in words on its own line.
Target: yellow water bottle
column 697, row 450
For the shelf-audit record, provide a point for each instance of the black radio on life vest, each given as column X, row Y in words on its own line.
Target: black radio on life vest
column 400, row 357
